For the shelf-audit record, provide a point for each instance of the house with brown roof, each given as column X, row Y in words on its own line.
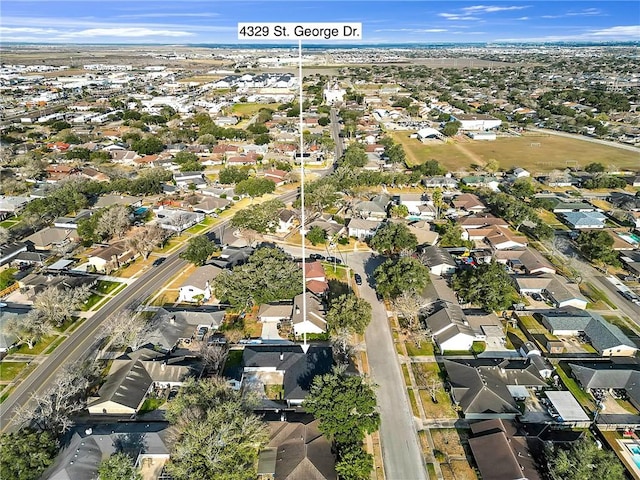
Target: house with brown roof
column 469, row 203
column 276, row 176
column 296, row 451
column 528, row 261
column 501, row 238
column 111, row 257
column 51, row 237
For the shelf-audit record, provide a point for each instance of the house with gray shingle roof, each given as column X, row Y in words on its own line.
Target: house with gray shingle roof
column 605, row 337
column 584, row 220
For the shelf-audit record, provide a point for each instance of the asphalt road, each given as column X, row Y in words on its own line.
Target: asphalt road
column 335, row 134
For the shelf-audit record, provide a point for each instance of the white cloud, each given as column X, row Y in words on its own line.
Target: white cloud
column 492, row 8
column 522, row 18
column 457, row 16
column 617, row 33
column 170, row 15
column 130, row 32
column 37, row 31
column 588, row 12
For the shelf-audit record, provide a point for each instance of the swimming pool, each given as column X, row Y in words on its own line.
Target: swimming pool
column 635, row 453
column 631, row 238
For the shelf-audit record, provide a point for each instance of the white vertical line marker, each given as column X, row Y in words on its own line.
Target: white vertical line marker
column 302, row 219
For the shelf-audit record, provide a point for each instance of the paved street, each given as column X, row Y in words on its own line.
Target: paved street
column 400, row 445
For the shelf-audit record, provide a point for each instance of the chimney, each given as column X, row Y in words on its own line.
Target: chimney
column 88, row 431
column 297, row 310
column 172, row 319
column 163, row 366
column 281, row 356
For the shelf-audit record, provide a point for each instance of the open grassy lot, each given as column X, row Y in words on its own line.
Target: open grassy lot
column 249, row 109
column 546, row 154
column 425, row 374
column 9, row 370
column 38, row 348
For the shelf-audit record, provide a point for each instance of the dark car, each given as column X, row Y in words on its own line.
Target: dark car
column 358, row 279
column 158, row 261
column 316, row 256
column 537, row 297
column 334, row 260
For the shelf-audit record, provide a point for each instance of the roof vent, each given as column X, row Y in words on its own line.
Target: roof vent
column 281, row 356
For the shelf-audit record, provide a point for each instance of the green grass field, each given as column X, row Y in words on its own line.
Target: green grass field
column 9, row 370
column 551, row 152
column 249, row 109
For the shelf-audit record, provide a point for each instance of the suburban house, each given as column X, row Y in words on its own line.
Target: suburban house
column 185, row 179
column 439, row 260
column 316, row 278
column 362, row 229
column 178, row 328
column 133, row 375
column 314, row 321
column 534, row 355
column 500, row 453
column 286, row 218
column 286, row 367
column 418, row 204
column 492, row 183
column 445, row 182
column 110, row 257
column 422, row 230
column 489, row 390
column 12, row 204
column 450, row 328
column 176, row 220
column 146, row 443
column 374, row 209
column 296, row 450
column 468, row 203
column 50, row 237
column 211, row 205
column 555, row 288
column 220, row 191
column 616, row 373
column 484, row 221
column 109, row 200
column 605, row 337
column 527, row 261
column 232, row 256
column 72, row 222
column 197, row 288
column 275, row 312
column 501, row 238
column 8, row 251
column 567, row 204
column 278, row 177
column 584, row 220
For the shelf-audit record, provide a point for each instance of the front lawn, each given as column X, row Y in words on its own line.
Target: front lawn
column 91, row 302
column 10, row 370
column 425, row 349
column 38, row 348
column 105, row 287
column 151, row 404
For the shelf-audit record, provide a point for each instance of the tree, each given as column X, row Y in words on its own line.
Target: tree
column 349, row 312
column 185, row 157
column 255, row 187
column 438, row 201
column 392, row 238
column 408, row 304
column 354, row 463
column 119, row 466
column 113, row 222
column 262, row 218
column 144, row 239
column 217, row 434
column 324, row 121
column 25, row 454
column 431, row 168
column 451, row 128
column 192, row 166
column 148, row 146
column 404, row 275
column 199, row 249
column 488, row 285
column 230, row 175
column 597, row 246
column 316, row 235
column 522, row 188
column 354, row 156
column 399, row 211
column 584, row 461
column 345, row 406
column 128, row 329
column 595, row 167
column 492, row 165
column 55, row 304
column 52, row 410
column 29, row 329
column 268, row 275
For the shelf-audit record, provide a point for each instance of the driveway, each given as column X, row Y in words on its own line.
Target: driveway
column 270, row 331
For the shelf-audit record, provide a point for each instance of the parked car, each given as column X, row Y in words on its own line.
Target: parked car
column 201, row 332
column 334, row 260
column 316, row 256
column 358, row 279
column 537, row 297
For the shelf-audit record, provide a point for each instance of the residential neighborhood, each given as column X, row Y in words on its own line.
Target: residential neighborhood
column 453, row 293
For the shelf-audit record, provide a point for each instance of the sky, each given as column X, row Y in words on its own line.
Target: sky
column 213, row 21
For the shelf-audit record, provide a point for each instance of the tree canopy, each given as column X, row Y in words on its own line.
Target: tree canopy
column 597, row 246
column 255, row 187
column 349, row 312
column 344, row 404
column 392, row 238
column 487, row 285
column 354, row 156
column 261, row 218
column 198, row 250
column 232, row 175
column 217, row 434
column 268, row 275
column 403, row 275
column 25, row 454
column 585, row 461
column 316, row 235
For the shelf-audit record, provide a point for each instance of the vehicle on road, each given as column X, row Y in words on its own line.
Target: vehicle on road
column 158, row 261
column 358, row 279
